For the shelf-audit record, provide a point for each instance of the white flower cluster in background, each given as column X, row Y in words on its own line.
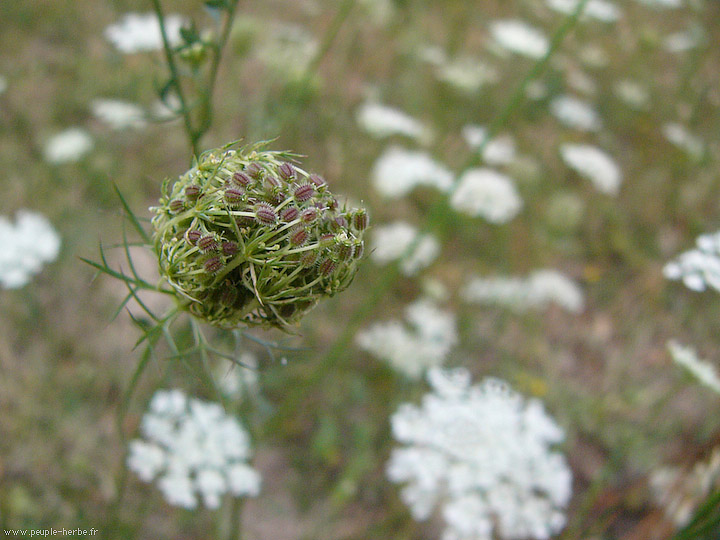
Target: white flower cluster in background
column 287, row 49
column 464, row 72
column 679, row 135
column 702, row 370
column 540, row 289
column 411, row 348
column 519, row 37
column 680, row 492
column 382, row 121
column 698, row 268
column 138, row 32
column 575, row 113
column 497, row 151
column 193, row 449
column 399, row 171
column 601, row 10
column 486, row 193
column 119, row 115
column 391, row 242
column 68, row 146
column 3, row 84
column 26, row 245
column 595, row 165
column 237, row 381
column 483, row 455
column 634, row 94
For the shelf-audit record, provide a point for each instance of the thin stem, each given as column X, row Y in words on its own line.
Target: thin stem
column 175, row 78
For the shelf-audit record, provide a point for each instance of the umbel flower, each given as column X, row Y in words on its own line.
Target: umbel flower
column 246, row 237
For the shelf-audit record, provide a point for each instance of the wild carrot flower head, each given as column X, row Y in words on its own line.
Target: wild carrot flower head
column 247, row 237
column 482, row 455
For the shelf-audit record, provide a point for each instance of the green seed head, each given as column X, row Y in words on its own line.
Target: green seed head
column 261, row 246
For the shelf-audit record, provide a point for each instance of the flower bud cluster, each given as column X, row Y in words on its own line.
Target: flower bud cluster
column 247, row 237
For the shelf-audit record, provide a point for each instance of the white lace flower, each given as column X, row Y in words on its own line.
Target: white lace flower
column 487, row 193
column 382, row 121
column 519, row 37
column 680, row 136
column 680, row 42
column 595, row 165
column 698, row 268
column 634, row 94
column 193, row 449
column 575, row 113
column 601, row 10
column 141, row 32
column 391, row 241
column 68, row 146
column 26, row 245
column 423, row 341
column 119, row 115
column 466, row 73
column 399, row 171
column 287, row 49
column 540, row 289
column 483, row 455
column 497, row 151
column 702, row 370
column 3, row 84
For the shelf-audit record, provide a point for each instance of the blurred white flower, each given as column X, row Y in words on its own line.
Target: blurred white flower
column 680, row 492
column 399, row 171
column 68, row 146
column 483, row 456
column 632, row 93
column 602, row 10
column 698, row 268
column 141, row 32
column 287, row 49
column 25, row 246
column 466, row 73
column 487, row 193
column 422, row 342
column 498, row 151
column 537, row 291
column 3, row 84
column 382, row 121
column 519, row 37
column 594, row 164
column 681, row 41
column 380, row 11
column 679, row 135
column 575, row 113
column 390, row 242
column 702, row 370
column 237, row 380
column 193, row 449
column 118, row 114
column 662, row 4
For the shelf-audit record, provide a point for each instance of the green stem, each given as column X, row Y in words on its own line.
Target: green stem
column 175, row 78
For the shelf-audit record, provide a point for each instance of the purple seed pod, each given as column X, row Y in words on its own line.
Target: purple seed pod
column 345, row 251
column 360, row 219
column 309, row 215
column 304, row 192
column 265, row 214
column 213, row 265
column 192, row 192
column 299, row 236
column 176, row 206
column 327, row 240
column 254, row 170
column 192, row 236
column 290, row 213
column 272, row 183
column 318, row 180
column 229, row 248
column 241, row 179
column 308, row 258
column 234, row 195
column 359, row 250
column 207, row 243
column 286, row 171
column 339, row 223
column 327, row 267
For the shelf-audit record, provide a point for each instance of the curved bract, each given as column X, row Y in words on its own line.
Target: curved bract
column 247, row 237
